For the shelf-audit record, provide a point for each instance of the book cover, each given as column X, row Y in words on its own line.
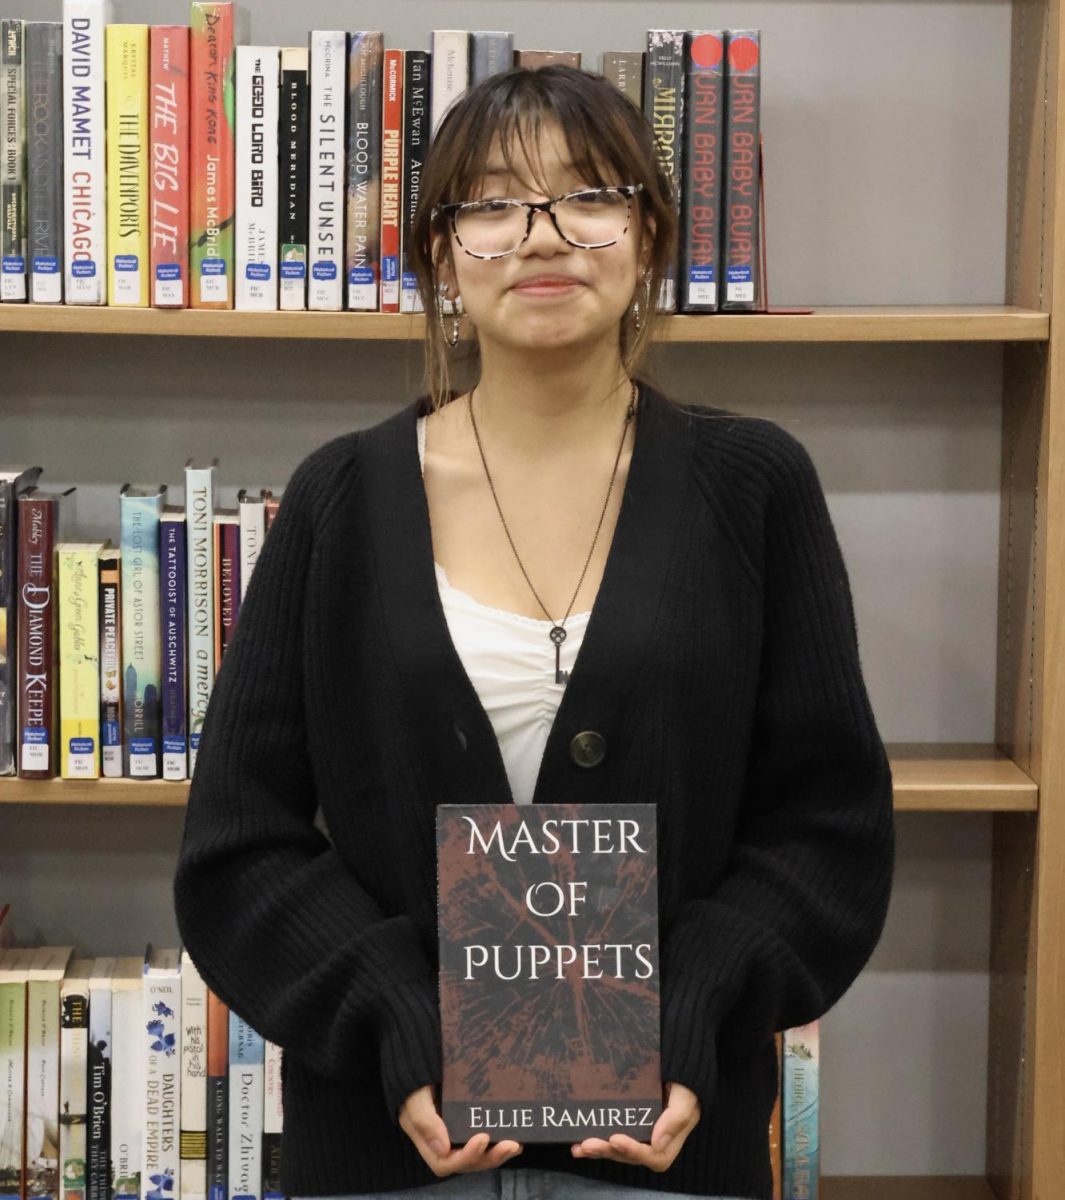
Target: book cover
column 13, row 248
column 127, row 165
column 217, row 1098
column 193, row 1081
column 415, row 148
column 14, row 976
column 169, row 175
column 391, row 178
column 127, row 1077
column 362, row 215
column 98, row 1174
column 624, row 69
column 12, row 484
column 801, row 1111
column 140, row 509
column 84, row 135
column 173, row 561
column 549, row 976
column 532, row 59
column 701, row 175
column 78, row 568
column 73, row 1077
column 245, row 1110
column 110, row 606
column 46, row 973
column 252, row 510
column 742, row 124
column 294, row 148
column 227, row 578
column 44, row 158
column 161, row 1051
column 258, row 79
column 199, row 533
column 491, row 51
column 663, row 105
column 327, row 189
column 449, row 59
column 273, row 1121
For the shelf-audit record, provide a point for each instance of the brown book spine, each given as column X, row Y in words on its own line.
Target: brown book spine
column 37, row 675
column 542, row 58
column 624, row 69
column 775, row 1143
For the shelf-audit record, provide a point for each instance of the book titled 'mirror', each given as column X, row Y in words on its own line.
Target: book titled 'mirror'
column 549, row 976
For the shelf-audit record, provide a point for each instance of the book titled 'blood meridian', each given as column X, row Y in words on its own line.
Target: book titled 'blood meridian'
column 549, row 975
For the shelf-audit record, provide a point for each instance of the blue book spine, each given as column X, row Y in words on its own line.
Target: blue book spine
column 246, row 1062
column 173, row 560
column 801, row 1104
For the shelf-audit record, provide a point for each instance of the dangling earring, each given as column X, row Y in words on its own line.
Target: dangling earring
column 636, row 304
column 456, row 309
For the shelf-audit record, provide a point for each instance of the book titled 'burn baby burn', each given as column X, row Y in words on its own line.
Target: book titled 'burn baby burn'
column 549, row 975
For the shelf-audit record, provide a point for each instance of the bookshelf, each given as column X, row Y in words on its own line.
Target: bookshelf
column 1011, row 782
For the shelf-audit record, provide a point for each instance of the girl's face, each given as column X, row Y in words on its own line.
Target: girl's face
column 502, row 302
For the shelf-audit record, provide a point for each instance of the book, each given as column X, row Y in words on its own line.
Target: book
column 701, row 174
column 742, row 124
column 549, row 978
column 199, row 533
column 362, row 210
column 193, row 1081
column 450, row 69
column 663, row 105
column 127, row 1077
column 227, row 579
column 44, row 158
column 258, row 77
column 14, row 977
column 245, row 1110
column 800, row 1106
column 169, row 175
column 173, row 564
column 415, row 148
column 491, row 51
column 161, row 1054
column 127, row 164
column 78, row 570
column 327, row 196
column 13, row 248
column 533, row 59
column 98, row 1174
column 217, row 1097
column 391, row 178
column 73, row 1078
column 252, row 510
column 111, row 710
column 776, row 1155
column 293, row 189
column 47, row 968
column 84, row 137
column 624, row 69
column 273, row 1120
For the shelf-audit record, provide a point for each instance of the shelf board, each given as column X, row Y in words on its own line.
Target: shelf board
column 906, row 1187
column 892, row 323
column 955, row 777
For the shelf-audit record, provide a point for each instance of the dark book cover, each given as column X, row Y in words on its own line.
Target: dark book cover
column 491, row 51
column 740, row 235
column 173, row 553
column 293, row 176
column 363, row 208
column 226, row 578
column 44, row 149
column 415, row 148
column 624, row 69
column 533, row 59
column 663, row 105
column 217, row 1098
column 12, row 162
column 98, row 1154
column 549, row 977
column 700, row 201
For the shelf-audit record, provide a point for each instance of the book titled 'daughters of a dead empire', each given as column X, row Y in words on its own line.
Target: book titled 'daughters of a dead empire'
column 549, row 976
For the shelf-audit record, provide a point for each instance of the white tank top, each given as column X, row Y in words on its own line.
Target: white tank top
column 511, row 663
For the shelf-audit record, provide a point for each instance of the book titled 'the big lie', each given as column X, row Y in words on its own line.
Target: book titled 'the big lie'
column 549, row 974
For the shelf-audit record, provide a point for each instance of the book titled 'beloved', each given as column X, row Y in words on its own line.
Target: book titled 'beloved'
column 549, row 976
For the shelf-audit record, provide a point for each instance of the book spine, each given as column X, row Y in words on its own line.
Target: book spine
column 127, row 1093
column 663, row 105
column 111, row 664
column 252, row 532
column 79, row 662
column 700, row 220
column 161, row 1044
column 8, row 608
column 85, row 196
column 211, row 203
column 801, row 1110
column 245, row 1110
column 742, row 122
column 44, row 138
column 99, row 1083
column 624, row 69
column 391, row 177
column 140, row 644
column 532, row 59
column 42, row 1090
column 256, row 237
column 326, row 253
column 363, row 208
column 127, row 159
column 73, row 1095
column 776, row 1157
column 217, row 1098
column 490, row 52
column 450, row 62
column 294, row 177
column 36, row 623
column 273, row 1121
column 12, row 1088
column 193, row 1082
column 227, row 562
column 415, row 148
column 169, row 175
column 13, row 248
column 173, row 553
column 199, row 532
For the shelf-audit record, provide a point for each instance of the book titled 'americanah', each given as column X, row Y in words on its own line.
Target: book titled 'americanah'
column 549, row 974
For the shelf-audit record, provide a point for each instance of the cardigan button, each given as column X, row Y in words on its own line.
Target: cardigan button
column 588, row 748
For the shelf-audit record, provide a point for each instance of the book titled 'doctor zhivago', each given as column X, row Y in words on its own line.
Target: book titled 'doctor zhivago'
column 549, row 977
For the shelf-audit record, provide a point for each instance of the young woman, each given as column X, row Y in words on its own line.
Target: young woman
column 557, row 586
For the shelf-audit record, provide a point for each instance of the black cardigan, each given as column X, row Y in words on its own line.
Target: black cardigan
column 720, row 666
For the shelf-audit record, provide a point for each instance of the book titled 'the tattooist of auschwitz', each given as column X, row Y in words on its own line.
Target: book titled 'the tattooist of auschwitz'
column 549, row 970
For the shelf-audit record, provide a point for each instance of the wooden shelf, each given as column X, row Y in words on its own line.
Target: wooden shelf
column 906, row 1187
column 901, row 323
column 956, row 777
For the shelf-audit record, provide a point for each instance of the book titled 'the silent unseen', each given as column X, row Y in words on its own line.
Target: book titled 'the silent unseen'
column 549, row 971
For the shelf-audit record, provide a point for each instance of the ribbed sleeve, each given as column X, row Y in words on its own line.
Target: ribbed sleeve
column 272, row 916
column 801, row 905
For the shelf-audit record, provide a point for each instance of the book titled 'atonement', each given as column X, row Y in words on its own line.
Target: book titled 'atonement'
column 549, row 976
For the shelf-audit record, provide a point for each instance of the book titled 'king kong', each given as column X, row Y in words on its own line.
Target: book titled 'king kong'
column 549, row 970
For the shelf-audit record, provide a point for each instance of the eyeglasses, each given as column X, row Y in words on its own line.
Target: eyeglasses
column 589, row 219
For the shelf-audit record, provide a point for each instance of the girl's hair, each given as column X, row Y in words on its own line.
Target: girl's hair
column 610, row 142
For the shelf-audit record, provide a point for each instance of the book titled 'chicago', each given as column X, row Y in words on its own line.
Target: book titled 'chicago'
column 549, row 971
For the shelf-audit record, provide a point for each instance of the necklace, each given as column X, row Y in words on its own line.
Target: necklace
column 557, row 633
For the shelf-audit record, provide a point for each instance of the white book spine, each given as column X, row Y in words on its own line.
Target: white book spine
column 328, row 94
column 74, row 1069
column 245, row 1110
column 161, row 1047
column 42, row 1074
column 199, row 529
column 252, row 532
column 450, row 68
column 193, row 1082
column 127, row 1086
column 84, row 134
column 257, row 86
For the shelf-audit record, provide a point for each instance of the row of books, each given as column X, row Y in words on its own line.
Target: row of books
column 108, row 654
column 141, row 185
column 127, row 1077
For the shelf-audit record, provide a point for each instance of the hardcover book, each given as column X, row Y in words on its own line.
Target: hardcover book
column 193, row 1081
column 252, row 511
column 169, row 186
column 258, row 76
column 46, row 973
column 161, row 1078
column 328, row 94
column 217, row 1097
column 111, row 662
column 801, row 1108
column 78, row 569
column 415, row 148
column 742, row 123
column 663, row 105
column 13, row 248
column 98, row 1173
column 362, row 255
column 73, row 1077
column 391, row 178
column 44, row 147
column 549, row 976
column 450, row 70
column 127, row 1073
column 703, row 163
column 199, row 533
column 293, row 188
column 127, row 161
column 273, row 1121
column 534, row 59
column 14, row 973
column 245, row 1110
column 173, row 561
column 491, row 51
column 227, row 579
column 624, row 69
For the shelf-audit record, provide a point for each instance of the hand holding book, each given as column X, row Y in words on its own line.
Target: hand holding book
column 423, row 1124
column 678, row 1119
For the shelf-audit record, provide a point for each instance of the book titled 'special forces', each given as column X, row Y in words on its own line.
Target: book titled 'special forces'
column 549, row 971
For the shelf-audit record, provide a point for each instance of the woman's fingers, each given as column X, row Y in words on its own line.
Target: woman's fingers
column 425, row 1127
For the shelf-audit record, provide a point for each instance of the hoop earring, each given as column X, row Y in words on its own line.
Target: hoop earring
column 452, row 339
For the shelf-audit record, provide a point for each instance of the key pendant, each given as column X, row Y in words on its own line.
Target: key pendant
column 558, row 636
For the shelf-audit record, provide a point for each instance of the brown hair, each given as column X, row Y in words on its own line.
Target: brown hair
column 606, row 134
